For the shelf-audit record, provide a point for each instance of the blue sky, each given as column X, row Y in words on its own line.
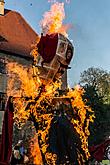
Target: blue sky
column 90, row 32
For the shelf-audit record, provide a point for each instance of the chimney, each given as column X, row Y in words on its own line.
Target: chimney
column 2, row 7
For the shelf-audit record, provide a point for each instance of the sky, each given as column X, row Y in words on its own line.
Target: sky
column 90, row 30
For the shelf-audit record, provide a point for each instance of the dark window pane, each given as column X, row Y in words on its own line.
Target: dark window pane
column 2, row 67
column 1, row 121
column 2, row 101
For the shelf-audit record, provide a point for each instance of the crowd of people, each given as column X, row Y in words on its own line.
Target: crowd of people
column 19, row 154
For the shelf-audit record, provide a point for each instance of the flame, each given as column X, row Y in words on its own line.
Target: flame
column 20, row 81
column 23, row 83
column 81, row 121
column 53, row 20
column 28, row 86
column 43, row 133
column 34, row 51
column 35, row 151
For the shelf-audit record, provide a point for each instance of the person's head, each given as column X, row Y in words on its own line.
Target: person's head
column 16, row 154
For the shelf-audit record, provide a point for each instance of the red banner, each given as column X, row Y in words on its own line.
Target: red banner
column 7, row 134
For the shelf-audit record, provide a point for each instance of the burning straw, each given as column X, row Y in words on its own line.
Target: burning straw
column 33, row 96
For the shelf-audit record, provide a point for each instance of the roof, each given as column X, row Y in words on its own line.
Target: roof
column 16, row 36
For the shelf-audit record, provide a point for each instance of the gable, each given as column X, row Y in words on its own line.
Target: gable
column 16, row 36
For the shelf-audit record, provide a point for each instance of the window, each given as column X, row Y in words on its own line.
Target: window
column 1, row 122
column 2, row 84
column 2, row 101
column 2, row 66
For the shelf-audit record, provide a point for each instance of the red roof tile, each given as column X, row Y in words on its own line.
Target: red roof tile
column 16, row 36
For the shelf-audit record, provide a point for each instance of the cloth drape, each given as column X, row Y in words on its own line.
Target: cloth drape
column 47, row 47
column 7, row 133
column 98, row 151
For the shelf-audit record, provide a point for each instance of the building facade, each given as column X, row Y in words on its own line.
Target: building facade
column 16, row 39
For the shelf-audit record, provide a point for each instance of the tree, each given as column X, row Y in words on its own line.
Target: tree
column 96, row 83
column 99, row 79
column 96, row 103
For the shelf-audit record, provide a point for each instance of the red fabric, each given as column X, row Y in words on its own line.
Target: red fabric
column 47, row 47
column 98, row 151
column 7, row 132
column 2, row 163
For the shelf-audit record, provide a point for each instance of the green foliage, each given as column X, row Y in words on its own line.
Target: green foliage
column 100, row 80
column 96, row 103
column 96, row 83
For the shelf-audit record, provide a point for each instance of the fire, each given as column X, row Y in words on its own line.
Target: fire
column 21, row 82
column 29, row 87
column 33, row 96
column 22, row 85
column 35, row 151
column 53, row 20
column 81, row 121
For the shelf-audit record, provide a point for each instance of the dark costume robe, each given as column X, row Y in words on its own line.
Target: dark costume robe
column 63, row 140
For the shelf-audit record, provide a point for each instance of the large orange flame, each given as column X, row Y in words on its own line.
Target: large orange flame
column 28, row 86
column 53, row 20
column 22, row 83
column 35, row 151
column 81, row 122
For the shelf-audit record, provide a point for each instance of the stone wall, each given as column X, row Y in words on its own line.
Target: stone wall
column 11, row 58
column 3, row 78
